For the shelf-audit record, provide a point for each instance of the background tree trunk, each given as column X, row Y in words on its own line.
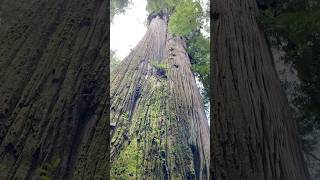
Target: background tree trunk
column 253, row 134
column 160, row 127
column 53, row 86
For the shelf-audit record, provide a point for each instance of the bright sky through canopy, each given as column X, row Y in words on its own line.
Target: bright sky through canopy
column 128, row 29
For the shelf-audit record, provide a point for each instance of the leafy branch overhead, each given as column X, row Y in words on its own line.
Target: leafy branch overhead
column 185, row 15
column 199, row 52
column 186, row 19
column 118, row 7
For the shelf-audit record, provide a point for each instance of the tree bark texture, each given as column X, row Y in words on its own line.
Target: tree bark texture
column 160, row 130
column 253, row 133
column 10, row 11
column 53, row 86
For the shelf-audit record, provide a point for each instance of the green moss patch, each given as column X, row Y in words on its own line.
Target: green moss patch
column 127, row 165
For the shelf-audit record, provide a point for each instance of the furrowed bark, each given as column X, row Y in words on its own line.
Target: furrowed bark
column 53, row 86
column 160, row 128
column 253, row 133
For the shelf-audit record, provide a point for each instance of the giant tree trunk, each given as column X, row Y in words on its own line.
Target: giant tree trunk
column 253, row 132
column 160, row 130
column 53, row 92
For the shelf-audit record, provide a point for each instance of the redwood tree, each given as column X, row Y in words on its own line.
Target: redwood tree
column 253, row 133
column 159, row 127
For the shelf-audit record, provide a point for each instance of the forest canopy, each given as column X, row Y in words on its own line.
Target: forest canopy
column 186, row 19
column 117, row 7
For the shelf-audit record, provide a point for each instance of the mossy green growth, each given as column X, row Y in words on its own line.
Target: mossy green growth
column 46, row 170
column 2, row 167
column 127, row 165
column 125, row 115
column 159, row 66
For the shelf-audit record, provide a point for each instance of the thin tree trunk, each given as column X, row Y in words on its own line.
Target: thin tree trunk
column 253, row 134
column 160, row 127
column 53, row 86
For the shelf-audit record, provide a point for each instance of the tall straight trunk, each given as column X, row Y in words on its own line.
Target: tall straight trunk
column 253, row 134
column 53, row 92
column 160, row 130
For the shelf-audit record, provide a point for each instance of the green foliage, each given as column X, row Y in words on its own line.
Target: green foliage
column 125, row 115
column 199, row 51
column 114, row 63
column 55, row 163
column 159, row 65
column 173, row 3
column 295, row 5
column 127, row 164
column 186, row 18
column 161, row 68
column 157, row 5
column 114, row 60
column 117, row 7
column 2, row 167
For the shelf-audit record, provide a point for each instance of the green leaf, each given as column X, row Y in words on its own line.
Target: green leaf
column 186, row 19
